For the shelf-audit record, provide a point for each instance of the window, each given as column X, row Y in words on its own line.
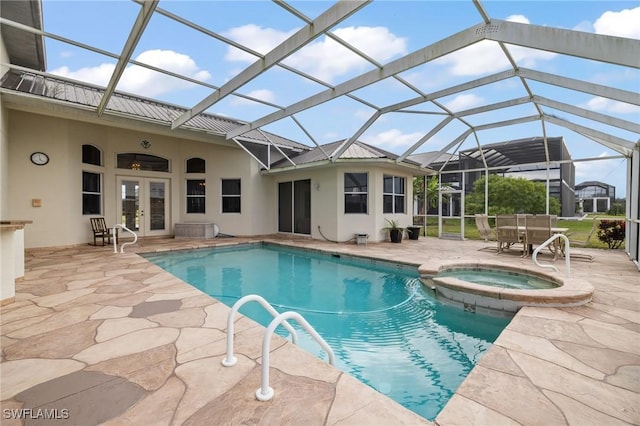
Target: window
column 196, row 195
column 355, row 192
column 393, row 194
column 91, row 193
column 230, row 195
column 133, row 161
column 195, row 165
column 91, row 155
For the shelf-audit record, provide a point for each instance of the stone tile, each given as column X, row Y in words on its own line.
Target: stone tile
column 126, row 286
column 59, row 320
column 175, row 295
column 116, row 327
column 149, row 369
column 192, row 317
column 208, row 373
column 53, row 300
column 22, row 374
column 130, row 300
column 91, row 404
column 603, row 359
column 131, row 343
column 611, row 335
column 217, row 315
column 462, row 411
column 17, row 325
column 497, row 358
column 523, row 401
column 290, row 394
column 355, row 405
column 194, row 338
column 552, row 329
column 23, row 313
column 157, row 408
column 9, row 419
column 111, row 312
column 60, row 343
column 627, row 377
column 544, row 349
column 146, row 309
column 289, row 360
column 615, row 402
column 580, row 414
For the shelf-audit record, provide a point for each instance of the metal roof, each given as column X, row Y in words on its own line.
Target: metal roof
column 24, row 48
column 619, row 135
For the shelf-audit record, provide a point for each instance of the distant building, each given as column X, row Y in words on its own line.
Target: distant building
column 596, row 197
column 524, row 158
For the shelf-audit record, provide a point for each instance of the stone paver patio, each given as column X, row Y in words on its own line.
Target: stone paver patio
column 101, row 338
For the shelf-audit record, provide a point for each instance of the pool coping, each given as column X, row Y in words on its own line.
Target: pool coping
column 570, row 291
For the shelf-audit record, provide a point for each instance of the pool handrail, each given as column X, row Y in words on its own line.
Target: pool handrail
column 265, row 392
column 567, row 253
column 230, row 359
column 115, row 238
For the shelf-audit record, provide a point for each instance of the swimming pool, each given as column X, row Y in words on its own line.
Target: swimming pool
column 384, row 327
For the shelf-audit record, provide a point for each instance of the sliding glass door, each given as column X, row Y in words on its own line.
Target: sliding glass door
column 294, row 207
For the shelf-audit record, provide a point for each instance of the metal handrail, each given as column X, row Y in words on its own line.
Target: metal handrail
column 115, row 238
column 230, row 360
column 567, row 254
column 265, row 393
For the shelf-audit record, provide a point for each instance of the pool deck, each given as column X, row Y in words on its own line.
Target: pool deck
column 101, row 338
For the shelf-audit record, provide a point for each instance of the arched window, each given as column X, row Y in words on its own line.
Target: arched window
column 91, row 155
column 133, row 161
column 195, row 165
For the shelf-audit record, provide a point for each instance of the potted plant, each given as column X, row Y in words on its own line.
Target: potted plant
column 395, row 230
column 413, row 232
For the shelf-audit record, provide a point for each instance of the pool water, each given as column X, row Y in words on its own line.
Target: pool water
column 495, row 278
column 385, row 329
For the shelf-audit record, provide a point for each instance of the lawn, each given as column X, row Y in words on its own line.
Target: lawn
column 578, row 229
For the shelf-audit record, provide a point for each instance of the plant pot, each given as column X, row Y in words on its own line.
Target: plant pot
column 395, row 235
column 414, row 232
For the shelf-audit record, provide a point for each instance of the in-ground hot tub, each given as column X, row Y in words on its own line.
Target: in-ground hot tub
column 503, row 287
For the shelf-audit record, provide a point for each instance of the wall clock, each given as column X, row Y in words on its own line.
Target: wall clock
column 39, row 158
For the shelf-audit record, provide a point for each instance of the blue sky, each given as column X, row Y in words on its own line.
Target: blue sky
column 383, row 30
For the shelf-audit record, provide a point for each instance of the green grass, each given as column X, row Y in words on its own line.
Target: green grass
column 578, row 230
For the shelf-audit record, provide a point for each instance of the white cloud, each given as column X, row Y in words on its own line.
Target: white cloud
column 141, row 80
column 262, row 94
column 257, row 38
column 465, row 101
column 599, row 170
column 393, row 139
column 323, row 58
column 611, row 106
column 622, row 24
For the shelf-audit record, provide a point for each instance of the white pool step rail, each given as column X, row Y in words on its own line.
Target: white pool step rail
column 115, row 238
column 567, row 253
column 265, row 393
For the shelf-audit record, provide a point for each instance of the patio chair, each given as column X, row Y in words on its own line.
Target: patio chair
column 582, row 243
column 100, row 230
column 538, row 230
column 508, row 233
column 482, row 223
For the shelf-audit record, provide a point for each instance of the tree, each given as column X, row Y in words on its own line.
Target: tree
column 509, row 195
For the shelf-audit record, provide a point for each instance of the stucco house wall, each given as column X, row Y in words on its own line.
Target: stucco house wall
column 58, row 184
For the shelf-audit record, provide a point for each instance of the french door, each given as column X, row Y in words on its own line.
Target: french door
column 143, row 205
column 294, row 207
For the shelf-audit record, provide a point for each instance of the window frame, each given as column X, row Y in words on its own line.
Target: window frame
column 202, row 196
column 394, row 195
column 359, row 193
column 92, row 193
column 225, row 196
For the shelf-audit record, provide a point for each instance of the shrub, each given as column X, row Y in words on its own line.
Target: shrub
column 611, row 232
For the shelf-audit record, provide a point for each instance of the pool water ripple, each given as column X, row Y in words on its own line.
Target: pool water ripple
column 384, row 327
